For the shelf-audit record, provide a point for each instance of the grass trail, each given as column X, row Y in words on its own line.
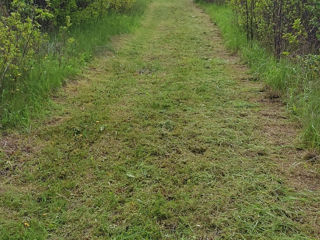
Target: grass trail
column 165, row 138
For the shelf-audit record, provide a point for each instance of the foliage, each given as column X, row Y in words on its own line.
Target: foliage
column 288, row 27
column 78, row 10
column 20, row 43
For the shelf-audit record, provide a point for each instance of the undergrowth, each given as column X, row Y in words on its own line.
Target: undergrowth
column 295, row 81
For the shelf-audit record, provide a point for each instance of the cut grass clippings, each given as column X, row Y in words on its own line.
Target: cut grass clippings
column 165, row 139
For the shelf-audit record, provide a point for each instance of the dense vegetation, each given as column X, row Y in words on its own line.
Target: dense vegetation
column 289, row 27
column 280, row 40
column 44, row 41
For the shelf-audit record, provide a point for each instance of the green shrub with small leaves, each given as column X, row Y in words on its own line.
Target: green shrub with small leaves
column 288, row 27
column 20, row 45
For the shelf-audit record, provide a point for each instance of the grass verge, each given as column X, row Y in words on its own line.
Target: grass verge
column 29, row 99
column 296, row 82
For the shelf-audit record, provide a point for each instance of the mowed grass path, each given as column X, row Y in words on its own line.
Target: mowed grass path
column 165, row 138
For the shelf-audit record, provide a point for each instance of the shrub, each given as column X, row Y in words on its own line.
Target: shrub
column 288, row 27
column 20, row 43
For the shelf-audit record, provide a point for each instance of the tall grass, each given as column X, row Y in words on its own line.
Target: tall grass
column 297, row 84
column 31, row 96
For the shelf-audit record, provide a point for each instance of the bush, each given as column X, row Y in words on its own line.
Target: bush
column 20, row 43
column 288, row 27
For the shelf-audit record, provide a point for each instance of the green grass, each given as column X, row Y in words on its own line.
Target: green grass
column 30, row 99
column 299, row 89
column 161, row 140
